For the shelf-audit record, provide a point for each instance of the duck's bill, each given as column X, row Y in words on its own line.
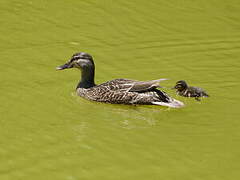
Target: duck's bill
column 65, row 66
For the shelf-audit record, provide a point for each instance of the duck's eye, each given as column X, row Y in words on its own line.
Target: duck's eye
column 74, row 59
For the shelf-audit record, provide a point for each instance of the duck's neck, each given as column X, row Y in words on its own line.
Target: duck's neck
column 87, row 78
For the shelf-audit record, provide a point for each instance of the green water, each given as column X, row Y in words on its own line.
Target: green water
column 49, row 133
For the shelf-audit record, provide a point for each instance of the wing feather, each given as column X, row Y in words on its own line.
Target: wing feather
column 140, row 86
column 128, row 85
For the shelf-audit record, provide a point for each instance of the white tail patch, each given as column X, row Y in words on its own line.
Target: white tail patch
column 174, row 103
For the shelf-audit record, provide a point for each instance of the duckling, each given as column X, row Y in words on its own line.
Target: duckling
column 117, row 91
column 188, row 91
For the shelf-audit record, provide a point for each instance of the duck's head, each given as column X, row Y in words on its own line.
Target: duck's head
column 180, row 85
column 79, row 60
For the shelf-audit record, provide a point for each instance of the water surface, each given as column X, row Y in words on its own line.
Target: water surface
column 47, row 132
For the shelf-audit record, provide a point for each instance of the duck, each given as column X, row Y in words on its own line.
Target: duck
column 117, row 91
column 183, row 89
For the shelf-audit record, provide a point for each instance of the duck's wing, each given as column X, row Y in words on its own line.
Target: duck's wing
column 128, row 85
column 141, row 86
column 125, row 91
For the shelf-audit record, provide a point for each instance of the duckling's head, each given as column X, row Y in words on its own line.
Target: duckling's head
column 181, row 85
column 79, row 60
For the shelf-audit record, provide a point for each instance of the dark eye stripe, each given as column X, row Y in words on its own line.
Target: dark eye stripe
column 79, row 57
column 75, row 58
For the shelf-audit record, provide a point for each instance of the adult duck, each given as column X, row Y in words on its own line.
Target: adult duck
column 117, row 91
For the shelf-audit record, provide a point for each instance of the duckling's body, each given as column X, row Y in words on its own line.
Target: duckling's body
column 189, row 91
column 117, row 91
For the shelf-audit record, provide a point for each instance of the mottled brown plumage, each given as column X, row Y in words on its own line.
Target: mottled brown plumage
column 117, row 91
column 125, row 91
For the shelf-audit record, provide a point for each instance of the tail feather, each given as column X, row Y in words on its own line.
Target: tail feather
column 205, row 94
column 173, row 103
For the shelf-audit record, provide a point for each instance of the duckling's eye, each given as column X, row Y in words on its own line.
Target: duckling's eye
column 178, row 86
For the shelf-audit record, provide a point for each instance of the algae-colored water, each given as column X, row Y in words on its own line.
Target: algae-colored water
column 47, row 132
